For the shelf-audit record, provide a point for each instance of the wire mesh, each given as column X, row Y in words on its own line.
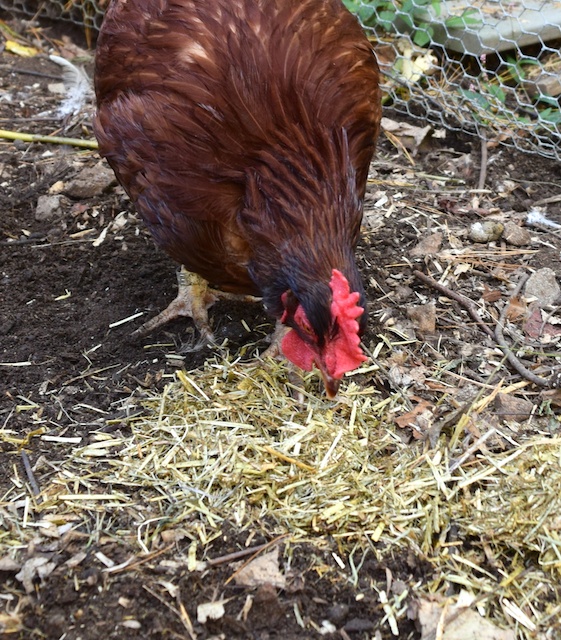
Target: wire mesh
column 488, row 67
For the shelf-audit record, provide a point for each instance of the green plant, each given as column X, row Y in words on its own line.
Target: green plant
column 414, row 15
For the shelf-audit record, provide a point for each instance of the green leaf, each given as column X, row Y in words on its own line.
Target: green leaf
column 423, row 36
column 386, row 19
column 352, row 5
column 469, row 18
column 478, row 98
column 550, row 100
column 367, row 15
column 497, row 92
column 552, row 116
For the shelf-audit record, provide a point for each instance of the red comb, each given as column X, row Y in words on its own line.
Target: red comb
column 344, row 353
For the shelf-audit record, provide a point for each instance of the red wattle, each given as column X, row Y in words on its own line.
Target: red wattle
column 297, row 351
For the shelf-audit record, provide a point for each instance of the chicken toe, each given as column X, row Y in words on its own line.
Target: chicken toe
column 193, row 300
column 274, row 349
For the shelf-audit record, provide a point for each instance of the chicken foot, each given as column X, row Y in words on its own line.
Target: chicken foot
column 274, row 349
column 194, row 299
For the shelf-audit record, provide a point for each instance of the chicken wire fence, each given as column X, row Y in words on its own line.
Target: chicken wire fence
column 488, row 67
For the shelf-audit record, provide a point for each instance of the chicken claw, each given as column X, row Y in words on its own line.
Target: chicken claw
column 193, row 300
column 274, row 349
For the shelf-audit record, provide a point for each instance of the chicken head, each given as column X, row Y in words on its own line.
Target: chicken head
column 335, row 353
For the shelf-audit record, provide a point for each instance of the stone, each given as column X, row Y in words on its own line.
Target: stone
column 509, row 407
column 543, row 286
column 91, row 181
column 48, row 207
column 516, row 235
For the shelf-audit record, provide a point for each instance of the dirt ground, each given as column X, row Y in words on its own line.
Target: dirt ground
column 69, row 272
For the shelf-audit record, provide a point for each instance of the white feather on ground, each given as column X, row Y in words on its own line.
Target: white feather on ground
column 78, row 87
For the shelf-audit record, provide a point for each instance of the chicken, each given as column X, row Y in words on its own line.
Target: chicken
column 243, row 131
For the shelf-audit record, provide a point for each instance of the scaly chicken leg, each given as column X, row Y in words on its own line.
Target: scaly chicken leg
column 194, row 299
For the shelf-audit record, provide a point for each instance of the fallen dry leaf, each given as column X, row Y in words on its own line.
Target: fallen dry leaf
column 210, row 611
column 263, row 570
column 427, row 246
column 410, row 418
column 490, row 295
column 516, row 309
column 535, row 327
column 455, row 622
column 37, row 567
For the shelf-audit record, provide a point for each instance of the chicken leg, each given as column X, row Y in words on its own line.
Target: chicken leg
column 194, row 299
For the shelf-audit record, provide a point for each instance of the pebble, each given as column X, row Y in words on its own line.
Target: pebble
column 423, row 317
column 338, row 613
column 511, row 408
column 543, row 286
column 91, row 181
column 487, row 231
column 48, row 207
column 516, row 235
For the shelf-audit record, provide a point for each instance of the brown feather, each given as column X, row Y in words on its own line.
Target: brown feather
column 243, row 131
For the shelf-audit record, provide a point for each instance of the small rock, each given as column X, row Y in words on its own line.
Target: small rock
column 402, row 292
column 9, row 564
column 423, row 317
column 487, row 231
column 511, row 408
column 428, row 246
column 338, row 613
column 91, row 181
column 357, row 625
column 543, row 286
column 516, row 235
column 48, row 207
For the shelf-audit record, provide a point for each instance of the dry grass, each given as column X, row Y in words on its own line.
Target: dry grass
column 230, row 442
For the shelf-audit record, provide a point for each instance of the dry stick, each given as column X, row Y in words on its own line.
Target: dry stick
column 553, row 382
column 32, row 137
column 272, row 543
column 458, row 297
column 483, row 167
column 133, row 565
column 29, row 472
column 237, row 555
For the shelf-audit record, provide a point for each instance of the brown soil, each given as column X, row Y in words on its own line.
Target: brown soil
column 59, row 293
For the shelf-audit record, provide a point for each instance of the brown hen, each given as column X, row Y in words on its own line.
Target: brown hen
column 243, row 132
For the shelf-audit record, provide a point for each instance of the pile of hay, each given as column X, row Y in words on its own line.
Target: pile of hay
column 241, row 443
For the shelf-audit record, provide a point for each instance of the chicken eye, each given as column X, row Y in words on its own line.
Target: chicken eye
column 307, row 328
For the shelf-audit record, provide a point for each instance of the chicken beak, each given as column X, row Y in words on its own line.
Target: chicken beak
column 331, row 385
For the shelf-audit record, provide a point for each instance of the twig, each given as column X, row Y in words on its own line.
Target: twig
column 550, row 200
column 261, row 547
column 38, row 74
column 32, row 137
column 237, row 555
column 483, row 166
column 474, row 447
column 182, row 615
column 466, row 303
column 127, row 566
column 554, row 381
column 29, row 473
